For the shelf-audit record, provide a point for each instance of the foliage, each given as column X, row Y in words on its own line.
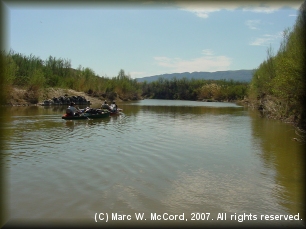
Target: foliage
column 279, row 81
column 34, row 74
column 8, row 74
column 195, row 89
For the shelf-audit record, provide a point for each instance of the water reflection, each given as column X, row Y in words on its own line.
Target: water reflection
column 283, row 160
column 90, row 123
column 150, row 159
column 219, row 193
column 176, row 110
column 179, row 103
column 37, row 110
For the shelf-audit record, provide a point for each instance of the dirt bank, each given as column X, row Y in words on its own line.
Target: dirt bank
column 20, row 97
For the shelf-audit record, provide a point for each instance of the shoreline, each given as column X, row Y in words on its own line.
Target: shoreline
column 18, row 97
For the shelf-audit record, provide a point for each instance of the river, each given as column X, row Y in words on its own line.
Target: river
column 159, row 158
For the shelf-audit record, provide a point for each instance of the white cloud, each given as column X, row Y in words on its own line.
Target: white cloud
column 198, row 8
column 137, row 74
column 268, row 7
column 262, row 41
column 266, row 39
column 207, row 63
column 252, row 24
column 203, row 9
column 263, row 9
column 207, row 52
column 202, row 13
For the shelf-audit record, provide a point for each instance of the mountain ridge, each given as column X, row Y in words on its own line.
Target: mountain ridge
column 236, row 75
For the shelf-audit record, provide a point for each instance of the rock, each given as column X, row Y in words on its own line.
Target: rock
column 66, row 100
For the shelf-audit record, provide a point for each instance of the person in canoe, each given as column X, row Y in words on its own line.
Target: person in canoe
column 113, row 107
column 72, row 110
column 105, row 105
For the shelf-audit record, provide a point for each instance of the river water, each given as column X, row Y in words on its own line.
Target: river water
column 159, row 158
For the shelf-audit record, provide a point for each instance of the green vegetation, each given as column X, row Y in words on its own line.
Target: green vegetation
column 33, row 74
column 195, row 89
column 278, row 84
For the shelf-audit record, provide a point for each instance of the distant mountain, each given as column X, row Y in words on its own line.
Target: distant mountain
column 237, row 75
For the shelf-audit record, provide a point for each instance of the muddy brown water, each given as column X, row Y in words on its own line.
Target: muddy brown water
column 159, row 158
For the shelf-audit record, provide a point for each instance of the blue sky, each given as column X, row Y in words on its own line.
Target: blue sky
column 146, row 39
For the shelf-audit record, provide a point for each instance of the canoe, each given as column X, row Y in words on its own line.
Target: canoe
column 117, row 112
column 86, row 116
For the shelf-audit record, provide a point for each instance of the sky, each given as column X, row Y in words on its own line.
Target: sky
column 146, row 39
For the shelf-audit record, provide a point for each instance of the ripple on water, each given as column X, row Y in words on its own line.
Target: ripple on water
column 149, row 161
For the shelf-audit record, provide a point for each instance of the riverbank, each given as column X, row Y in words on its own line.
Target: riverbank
column 274, row 108
column 22, row 97
column 271, row 108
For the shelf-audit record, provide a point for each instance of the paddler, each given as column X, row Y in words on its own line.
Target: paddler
column 72, row 110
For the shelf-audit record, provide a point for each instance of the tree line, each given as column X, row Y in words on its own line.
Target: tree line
column 34, row 74
column 195, row 89
column 278, row 84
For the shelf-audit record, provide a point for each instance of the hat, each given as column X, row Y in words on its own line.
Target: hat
column 72, row 103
